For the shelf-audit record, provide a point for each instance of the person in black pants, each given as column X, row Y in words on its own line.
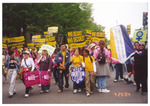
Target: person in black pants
column 140, row 67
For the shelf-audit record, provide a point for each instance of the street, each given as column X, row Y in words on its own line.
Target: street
column 120, row 92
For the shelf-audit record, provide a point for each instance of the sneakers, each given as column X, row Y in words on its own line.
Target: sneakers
column 47, row 91
column 105, row 91
column 75, row 91
column 66, row 89
column 26, row 95
column 96, row 85
column 122, row 79
column 87, row 94
column 59, row 91
column 115, row 80
column 79, row 90
column 99, row 90
column 41, row 91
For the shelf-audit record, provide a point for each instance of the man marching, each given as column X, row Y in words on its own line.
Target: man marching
column 62, row 59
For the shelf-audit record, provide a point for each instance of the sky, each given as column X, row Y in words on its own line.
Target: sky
column 111, row 14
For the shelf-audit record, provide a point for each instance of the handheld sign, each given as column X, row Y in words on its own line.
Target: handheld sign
column 77, row 75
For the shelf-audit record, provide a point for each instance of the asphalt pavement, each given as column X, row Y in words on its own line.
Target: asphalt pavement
column 120, row 92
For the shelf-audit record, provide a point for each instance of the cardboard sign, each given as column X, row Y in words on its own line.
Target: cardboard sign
column 31, row 79
column 49, row 49
column 45, row 78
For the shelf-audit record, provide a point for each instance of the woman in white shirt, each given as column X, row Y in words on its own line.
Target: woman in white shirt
column 28, row 65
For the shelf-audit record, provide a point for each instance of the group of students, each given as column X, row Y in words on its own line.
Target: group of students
column 94, row 59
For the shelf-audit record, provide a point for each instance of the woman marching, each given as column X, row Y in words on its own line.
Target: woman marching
column 102, row 69
column 78, row 61
column 28, row 65
column 45, row 63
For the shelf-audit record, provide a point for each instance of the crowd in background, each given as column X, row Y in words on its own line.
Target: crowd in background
column 95, row 59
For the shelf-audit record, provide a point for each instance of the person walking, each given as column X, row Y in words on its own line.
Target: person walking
column 78, row 62
column 102, row 68
column 12, row 64
column 140, row 67
column 62, row 59
column 27, row 64
column 45, row 63
column 90, row 72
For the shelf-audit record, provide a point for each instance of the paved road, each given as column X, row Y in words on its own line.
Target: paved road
column 120, row 93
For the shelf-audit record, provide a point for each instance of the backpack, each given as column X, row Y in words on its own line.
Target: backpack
column 101, row 58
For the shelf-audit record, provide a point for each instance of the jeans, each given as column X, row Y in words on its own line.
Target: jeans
column 12, row 79
column 63, row 73
column 101, row 82
column 45, row 87
column 119, row 71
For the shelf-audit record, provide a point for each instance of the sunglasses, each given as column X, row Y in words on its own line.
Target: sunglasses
column 141, row 45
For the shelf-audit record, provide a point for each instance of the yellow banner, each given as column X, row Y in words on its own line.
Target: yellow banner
column 76, row 39
column 129, row 29
column 139, row 35
column 75, row 33
column 98, row 34
column 88, row 32
column 51, row 43
column 16, row 44
column 77, row 45
column 39, row 40
column 39, row 44
column 6, row 40
column 96, row 39
column 36, row 37
column 46, row 34
column 4, row 46
column 50, row 39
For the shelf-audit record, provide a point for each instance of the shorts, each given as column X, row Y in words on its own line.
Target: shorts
column 129, row 67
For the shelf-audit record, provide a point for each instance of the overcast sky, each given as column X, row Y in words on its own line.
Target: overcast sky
column 111, row 14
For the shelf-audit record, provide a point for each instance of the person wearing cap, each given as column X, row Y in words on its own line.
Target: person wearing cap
column 45, row 63
column 91, row 49
column 63, row 67
column 27, row 63
column 12, row 64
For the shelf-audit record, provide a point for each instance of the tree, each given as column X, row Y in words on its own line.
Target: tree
column 38, row 17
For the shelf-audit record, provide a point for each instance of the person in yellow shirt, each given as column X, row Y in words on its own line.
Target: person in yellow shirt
column 90, row 72
column 62, row 59
column 78, row 61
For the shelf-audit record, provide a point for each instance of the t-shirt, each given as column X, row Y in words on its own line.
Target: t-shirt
column 77, row 60
column 88, row 63
column 12, row 64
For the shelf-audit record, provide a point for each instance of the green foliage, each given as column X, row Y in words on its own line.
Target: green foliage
column 38, row 17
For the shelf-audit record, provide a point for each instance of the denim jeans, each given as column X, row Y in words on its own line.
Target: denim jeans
column 62, row 74
column 119, row 71
column 45, row 87
column 101, row 82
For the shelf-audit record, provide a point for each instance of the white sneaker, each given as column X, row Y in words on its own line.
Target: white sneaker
column 99, row 90
column 115, row 80
column 79, row 90
column 122, row 79
column 47, row 91
column 87, row 94
column 26, row 95
column 39, row 85
column 41, row 91
column 134, row 84
column 96, row 85
column 105, row 91
column 75, row 91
